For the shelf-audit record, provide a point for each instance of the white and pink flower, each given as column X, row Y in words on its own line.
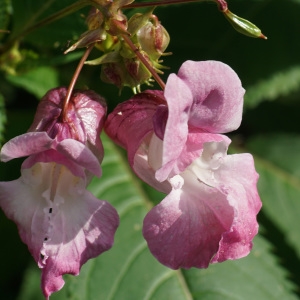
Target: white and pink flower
column 61, row 222
column 175, row 143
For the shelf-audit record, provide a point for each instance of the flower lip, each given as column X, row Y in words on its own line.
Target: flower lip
column 41, row 148
column 61, row 222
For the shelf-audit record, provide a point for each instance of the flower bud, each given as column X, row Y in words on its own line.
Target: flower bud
column 127, row 72
column 153, row 38
column 243, row 26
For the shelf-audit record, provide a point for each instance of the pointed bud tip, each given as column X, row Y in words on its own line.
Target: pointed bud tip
column 262, row 36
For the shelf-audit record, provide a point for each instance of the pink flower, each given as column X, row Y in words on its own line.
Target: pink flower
column 62, row 223
column 174, row 144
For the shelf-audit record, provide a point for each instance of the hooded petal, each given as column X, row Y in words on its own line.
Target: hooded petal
column 63, row 224
column 180, row 100
column 217, row 95
column 131, row 121
column 184, row 230
column 85, row 115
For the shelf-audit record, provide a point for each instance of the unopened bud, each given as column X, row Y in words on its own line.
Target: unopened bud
column 153, row 38
column 243, row 26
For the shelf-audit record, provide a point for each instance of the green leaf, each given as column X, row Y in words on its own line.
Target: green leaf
column 5, row 14
column 277, row 162
column 278, row 85
column 36, row 81
column 57, row 34
column 257, row 276
column 30, row 289
column 280, row 149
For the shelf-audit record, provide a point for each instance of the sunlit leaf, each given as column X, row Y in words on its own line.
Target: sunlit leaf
column 37, row 81
column 278, row 85
column 279, row 183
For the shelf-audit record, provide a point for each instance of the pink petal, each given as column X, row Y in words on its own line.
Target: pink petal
column 184, row 230
column 63, row 224
column 54, row 156
column 237, row 179
column 85, row 116
column 80, row 154
column 180, row 100
column 131, row 121
column 82, row 228
column 145, row 170
column 217, row 95
column 23, row 203
column 174, row 163
column 26, row 144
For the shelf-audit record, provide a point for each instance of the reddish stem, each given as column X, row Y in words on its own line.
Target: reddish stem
column 73, row 81
column 221, row 3
column 143, row 60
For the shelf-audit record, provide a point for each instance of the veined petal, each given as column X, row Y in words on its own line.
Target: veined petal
column 81, row 228
column 237, row 179
column 85, row 116
column 180, row 100
column 217, row 95
column 26, row 144
column 22, row 201
column 80, row 154
column 131, row 121
column 184, row 230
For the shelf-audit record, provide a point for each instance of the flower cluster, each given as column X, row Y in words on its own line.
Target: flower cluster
column 175, row 143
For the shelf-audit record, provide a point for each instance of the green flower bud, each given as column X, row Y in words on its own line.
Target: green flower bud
column 153, row 38
column 243, row 26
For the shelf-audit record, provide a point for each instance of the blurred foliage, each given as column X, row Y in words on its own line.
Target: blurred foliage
column 269, row 70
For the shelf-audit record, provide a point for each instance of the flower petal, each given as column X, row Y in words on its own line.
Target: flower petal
column 26, row 144
column 22, row 201
column 237, row 179
column 217, row 95
column 131, row 121
column 192, row 149
column 184, row 230
column 180, row 100
column 80, row 154
column 82, row 228
column 85, row 115
column 63, row 224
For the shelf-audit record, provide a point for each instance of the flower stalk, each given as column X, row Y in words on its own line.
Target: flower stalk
column 73, row 82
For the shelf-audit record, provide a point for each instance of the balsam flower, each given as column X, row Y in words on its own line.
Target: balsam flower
column 174, row 143
column 61, row 222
